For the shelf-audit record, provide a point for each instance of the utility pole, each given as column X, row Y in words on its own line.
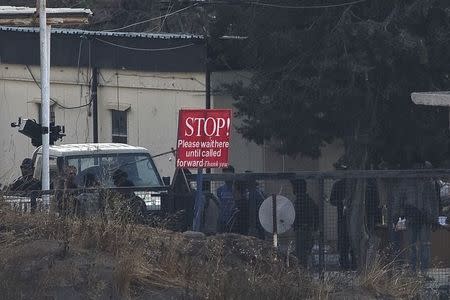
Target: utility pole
column 94, row 99
column 44, row 42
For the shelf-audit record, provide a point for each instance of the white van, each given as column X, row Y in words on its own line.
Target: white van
column 101, row 161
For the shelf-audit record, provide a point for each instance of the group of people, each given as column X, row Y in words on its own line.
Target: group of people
column 415, row 211
column 239, row 202
column 413, row 202
column 120, row 204
column 339, row 197
column 413, row 205
column 73, row 196
column 413, row 208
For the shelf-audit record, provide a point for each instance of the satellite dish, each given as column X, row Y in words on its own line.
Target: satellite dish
column 285, row 214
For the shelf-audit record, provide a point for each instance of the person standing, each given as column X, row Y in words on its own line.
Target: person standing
column 89, row 201
column 306, row 221
column 227, row 205
column 241, row 213
column 255, row 196
column 347, row 259
column 26, row 182
column 373, row 205
column 416, row 200
column 66, row 191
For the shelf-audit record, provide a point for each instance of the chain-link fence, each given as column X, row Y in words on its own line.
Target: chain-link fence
column 132, row 204
column 344, row 220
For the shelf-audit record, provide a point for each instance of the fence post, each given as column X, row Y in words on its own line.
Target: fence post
column 321, row 229
column 274, row 221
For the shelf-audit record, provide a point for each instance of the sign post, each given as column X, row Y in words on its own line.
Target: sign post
column 203, row 142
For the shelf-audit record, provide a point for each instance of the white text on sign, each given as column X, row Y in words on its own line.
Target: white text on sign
column 206, row 126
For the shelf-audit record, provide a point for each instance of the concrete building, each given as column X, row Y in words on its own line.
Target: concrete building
column 142, row 80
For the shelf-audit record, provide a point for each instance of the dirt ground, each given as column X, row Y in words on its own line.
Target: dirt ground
column 45, row 257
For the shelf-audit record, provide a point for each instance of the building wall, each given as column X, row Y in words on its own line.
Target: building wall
column 152, row 101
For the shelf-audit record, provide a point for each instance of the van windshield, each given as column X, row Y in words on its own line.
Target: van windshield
column 137, row 168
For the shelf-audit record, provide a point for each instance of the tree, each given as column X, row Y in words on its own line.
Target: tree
column 347, row 73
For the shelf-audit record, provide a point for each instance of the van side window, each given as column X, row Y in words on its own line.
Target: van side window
column 53, row 168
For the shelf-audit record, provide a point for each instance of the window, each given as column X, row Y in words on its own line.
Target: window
column 139, row 168
column 52, row 165
column 119, row 127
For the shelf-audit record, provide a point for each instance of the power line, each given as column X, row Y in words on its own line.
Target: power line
column 273, row 5
column 265, row 4
column 305, row 7
column 145, row 49
column 153, row 19
column 54, row 100
column 164, row 20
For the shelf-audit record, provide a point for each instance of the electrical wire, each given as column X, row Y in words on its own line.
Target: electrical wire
column 162, row 77
column 305, row 7
column 273, row 5
column 153, row 19
column 164, row 20
column 54, row 100
column 145, row 49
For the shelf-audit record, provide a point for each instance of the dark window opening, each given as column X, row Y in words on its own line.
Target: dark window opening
column 119, row 127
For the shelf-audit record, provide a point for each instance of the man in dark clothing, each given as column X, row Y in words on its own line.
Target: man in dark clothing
column 255, row 196
column 306, row 221
column 226, row 194
column 70, row 175
column 131, row 207
column 241, row 212
column 416, row 200
column 66, row 195
column 26, row 182
column 89, row 201
column 338, row 199
column 373, row 207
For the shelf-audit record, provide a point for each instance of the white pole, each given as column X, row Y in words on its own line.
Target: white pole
column 274, row 221
column 45, row 95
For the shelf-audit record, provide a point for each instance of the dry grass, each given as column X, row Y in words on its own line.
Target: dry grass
column 147, row 260
column 386, row 276
column 97, row 257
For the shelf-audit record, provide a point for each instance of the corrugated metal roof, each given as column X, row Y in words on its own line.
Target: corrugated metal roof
column 20, row 10
column 145, row 35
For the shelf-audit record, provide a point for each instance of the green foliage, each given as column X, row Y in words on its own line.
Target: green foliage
column 348, row 73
